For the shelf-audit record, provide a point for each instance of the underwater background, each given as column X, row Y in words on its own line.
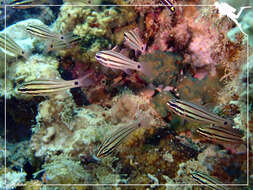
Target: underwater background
column 126, row 94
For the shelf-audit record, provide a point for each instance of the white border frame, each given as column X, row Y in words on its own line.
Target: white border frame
column 126, row 185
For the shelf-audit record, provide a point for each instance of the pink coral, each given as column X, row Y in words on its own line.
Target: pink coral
column 204, row 38
column 188, row 31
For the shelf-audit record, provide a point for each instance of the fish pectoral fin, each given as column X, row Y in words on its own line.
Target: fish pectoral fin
column 128, row 71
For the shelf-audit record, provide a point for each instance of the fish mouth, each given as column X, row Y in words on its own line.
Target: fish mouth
column 97, row 56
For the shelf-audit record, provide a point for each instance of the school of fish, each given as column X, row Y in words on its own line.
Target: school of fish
column 215, row 128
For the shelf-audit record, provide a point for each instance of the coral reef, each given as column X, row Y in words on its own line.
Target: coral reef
column 194, row 55
column 37, row 66
column 11, row 179
column 68, row 171
column 163, row 64
column 73, row 133
column 247, row 27
column 95, row 27
column 238, row 94
column 65, row 134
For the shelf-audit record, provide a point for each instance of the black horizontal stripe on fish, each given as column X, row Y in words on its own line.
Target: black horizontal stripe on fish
column 37, row 87
column 186, row 114
column 198, row 109
column 201, row 114
column 40, row 31
column 115, row 139
column 205, row 179
column 119, row 57
column 228, row 137
column 9, row 45
column 175, row 109
column 116, row 58
column 131, row 33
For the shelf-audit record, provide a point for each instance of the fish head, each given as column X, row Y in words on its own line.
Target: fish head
column 102, row 152
column 21, row 88
column 143, row 48
column 227, row 123
column 100, row 57
column 172, row 103
column 25, row 54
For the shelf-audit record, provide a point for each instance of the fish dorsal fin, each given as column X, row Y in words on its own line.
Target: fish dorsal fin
column 116, row 49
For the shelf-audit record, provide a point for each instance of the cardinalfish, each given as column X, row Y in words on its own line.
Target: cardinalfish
column 44, row 32
column 115, row 60
column 49, row 87
column 133, row 41
column 59, row 45
column 118, row 136
column 211, row 182
column 221, row 135
column 26, row 4
column 196, row 113
column 9, row 46
column 169, row 5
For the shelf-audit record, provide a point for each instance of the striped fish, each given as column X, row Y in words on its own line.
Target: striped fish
column 196, row 113
column 49, row 87
column 116, row 60
column 25, row 4
column 59, row 45
column 133, row 41
column 116, row 138
column 221, row 135
column 44, row 32
column 169, row 5
column 203, row 178
column 12, row 48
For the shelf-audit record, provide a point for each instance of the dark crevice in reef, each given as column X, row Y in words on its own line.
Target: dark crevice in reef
column 79, row 97
column 155, row 139
column 20, row 116
column 14, row 15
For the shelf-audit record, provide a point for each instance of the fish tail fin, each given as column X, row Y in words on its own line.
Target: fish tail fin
column 143, row 49
column 146, row 69
column 144, row 121
column 26, row 55
column 86, row 81
column 67, row 38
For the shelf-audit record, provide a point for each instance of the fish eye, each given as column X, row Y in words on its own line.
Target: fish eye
column 139, row 66
column 139, row 124
column 76, row 83
column 23, row 52
column 103, row 81
column 62, row 37
column 225, row 123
